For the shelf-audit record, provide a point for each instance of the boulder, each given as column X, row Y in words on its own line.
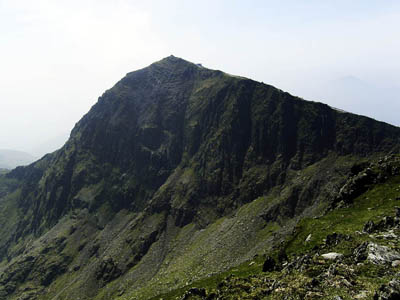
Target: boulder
column 381, row 254
column 332, row 256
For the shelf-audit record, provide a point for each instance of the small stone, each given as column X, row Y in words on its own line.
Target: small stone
column 308, row 238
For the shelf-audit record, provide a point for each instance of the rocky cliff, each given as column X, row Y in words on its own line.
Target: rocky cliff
column 177, row 173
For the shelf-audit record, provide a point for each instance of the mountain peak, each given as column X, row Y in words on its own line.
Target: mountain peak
column 171, row 65
column 174, row 61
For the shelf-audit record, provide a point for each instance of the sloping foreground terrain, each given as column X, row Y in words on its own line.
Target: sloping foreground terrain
column 176, row 174
column 351, row 252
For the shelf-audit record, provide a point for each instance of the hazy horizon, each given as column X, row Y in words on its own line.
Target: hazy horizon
column 58, row 57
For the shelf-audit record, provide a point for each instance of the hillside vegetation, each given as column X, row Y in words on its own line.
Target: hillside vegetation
column 363, row 231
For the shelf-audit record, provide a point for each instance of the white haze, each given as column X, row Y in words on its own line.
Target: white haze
column 58, row 57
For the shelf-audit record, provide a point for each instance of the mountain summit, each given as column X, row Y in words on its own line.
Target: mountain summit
column 178, row 172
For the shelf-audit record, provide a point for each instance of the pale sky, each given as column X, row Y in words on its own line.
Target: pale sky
column 58, row 57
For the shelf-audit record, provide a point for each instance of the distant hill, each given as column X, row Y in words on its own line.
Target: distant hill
column 9, row 159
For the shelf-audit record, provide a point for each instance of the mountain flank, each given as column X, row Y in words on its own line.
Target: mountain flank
column 351, row 252
column 176, row 174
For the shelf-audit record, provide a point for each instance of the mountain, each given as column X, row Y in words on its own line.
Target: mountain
column 176, row 174
column 10, row 159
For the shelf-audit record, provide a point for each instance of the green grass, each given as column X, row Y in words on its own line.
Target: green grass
column 246, row 269
column 372, row 205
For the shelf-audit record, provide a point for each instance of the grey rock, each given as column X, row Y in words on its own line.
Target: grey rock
column 381, row 254
column 332, row 256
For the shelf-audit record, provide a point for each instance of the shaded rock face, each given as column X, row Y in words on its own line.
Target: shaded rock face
column 176, row 144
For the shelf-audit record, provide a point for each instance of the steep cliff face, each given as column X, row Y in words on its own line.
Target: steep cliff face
column 174, row 167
